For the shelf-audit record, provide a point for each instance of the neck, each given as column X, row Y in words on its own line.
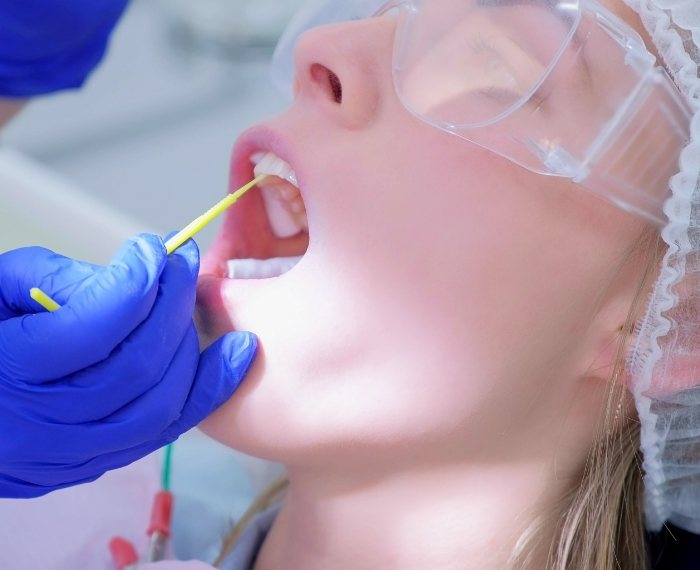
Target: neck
column 439, row 517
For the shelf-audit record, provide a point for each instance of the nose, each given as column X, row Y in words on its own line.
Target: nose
column 344, row 69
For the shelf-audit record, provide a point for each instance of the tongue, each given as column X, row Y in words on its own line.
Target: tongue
column 260, row 268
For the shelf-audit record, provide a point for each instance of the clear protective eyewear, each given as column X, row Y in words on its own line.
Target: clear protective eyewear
column 560, row 87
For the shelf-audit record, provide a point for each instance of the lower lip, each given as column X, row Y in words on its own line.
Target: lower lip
column 209, row 291
column 218, row 298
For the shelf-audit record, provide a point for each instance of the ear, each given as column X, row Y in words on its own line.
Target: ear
column 605, row 353
column 612, row 330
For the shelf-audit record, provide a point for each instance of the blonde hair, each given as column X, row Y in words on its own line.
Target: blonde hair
column 273, row 494
column 599, row 522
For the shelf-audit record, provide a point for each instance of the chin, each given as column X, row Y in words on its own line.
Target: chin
column 258, row 262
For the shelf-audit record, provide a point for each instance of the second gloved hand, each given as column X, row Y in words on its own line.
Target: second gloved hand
column 47, row 45
column 113, row 375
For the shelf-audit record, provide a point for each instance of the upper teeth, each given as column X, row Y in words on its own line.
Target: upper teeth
column 271, row 164
column 280, row 191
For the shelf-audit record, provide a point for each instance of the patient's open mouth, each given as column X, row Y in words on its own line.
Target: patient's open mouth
column 280, row 190
column 255, row 261
column 267, row 233
column 286, row 215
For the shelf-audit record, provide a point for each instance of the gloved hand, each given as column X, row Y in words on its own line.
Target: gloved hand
column 47, row 45
column 114, row 374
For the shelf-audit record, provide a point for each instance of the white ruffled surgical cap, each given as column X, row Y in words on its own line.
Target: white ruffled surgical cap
column 664, row 362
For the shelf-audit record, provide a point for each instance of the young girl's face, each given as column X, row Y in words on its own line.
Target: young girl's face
column 449, row 302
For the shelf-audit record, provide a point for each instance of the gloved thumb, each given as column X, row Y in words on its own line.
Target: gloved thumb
column 222, row 368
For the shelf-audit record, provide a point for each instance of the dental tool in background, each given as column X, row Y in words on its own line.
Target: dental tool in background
column 161, row 515
column 124, row 553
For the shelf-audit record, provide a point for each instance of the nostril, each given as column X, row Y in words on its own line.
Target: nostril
column 336, row 86
column 329, row 80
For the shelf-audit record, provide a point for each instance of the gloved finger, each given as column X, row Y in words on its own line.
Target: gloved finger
column 139, row 429
column 144, row 419
column 226, row 362
column 38, row 479
column 141, row 361
column 58, row 475
column 16, row 488
column 22, row 269
column 47, row 346
column 222, row 368
column 193, row 388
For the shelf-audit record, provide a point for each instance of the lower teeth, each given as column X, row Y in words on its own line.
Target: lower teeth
column 260, row 268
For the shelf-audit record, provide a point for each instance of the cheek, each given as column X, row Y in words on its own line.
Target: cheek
column 442, row 283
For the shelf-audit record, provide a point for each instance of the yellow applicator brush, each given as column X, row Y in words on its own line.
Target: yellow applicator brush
column 174, row 242
column 202, row 221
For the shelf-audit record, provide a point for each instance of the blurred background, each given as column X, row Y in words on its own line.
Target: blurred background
column 145, row 146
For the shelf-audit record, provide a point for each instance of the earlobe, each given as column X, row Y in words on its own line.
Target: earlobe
column 614, row 326
column 603, row 365
column 610, row 354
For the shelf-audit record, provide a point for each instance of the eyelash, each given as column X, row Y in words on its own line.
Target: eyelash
column 509, row 97
column 539, row 100
column 480, row 44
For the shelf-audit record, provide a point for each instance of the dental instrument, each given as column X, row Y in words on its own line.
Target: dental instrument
column 269, row 163
column 174, row 242
column 202, row 221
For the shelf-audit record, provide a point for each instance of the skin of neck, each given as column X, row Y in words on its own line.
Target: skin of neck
column 457, row 493
column 433, row 514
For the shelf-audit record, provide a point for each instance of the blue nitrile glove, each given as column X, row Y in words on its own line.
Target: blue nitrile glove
column 47, row 45
column 113, row 375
